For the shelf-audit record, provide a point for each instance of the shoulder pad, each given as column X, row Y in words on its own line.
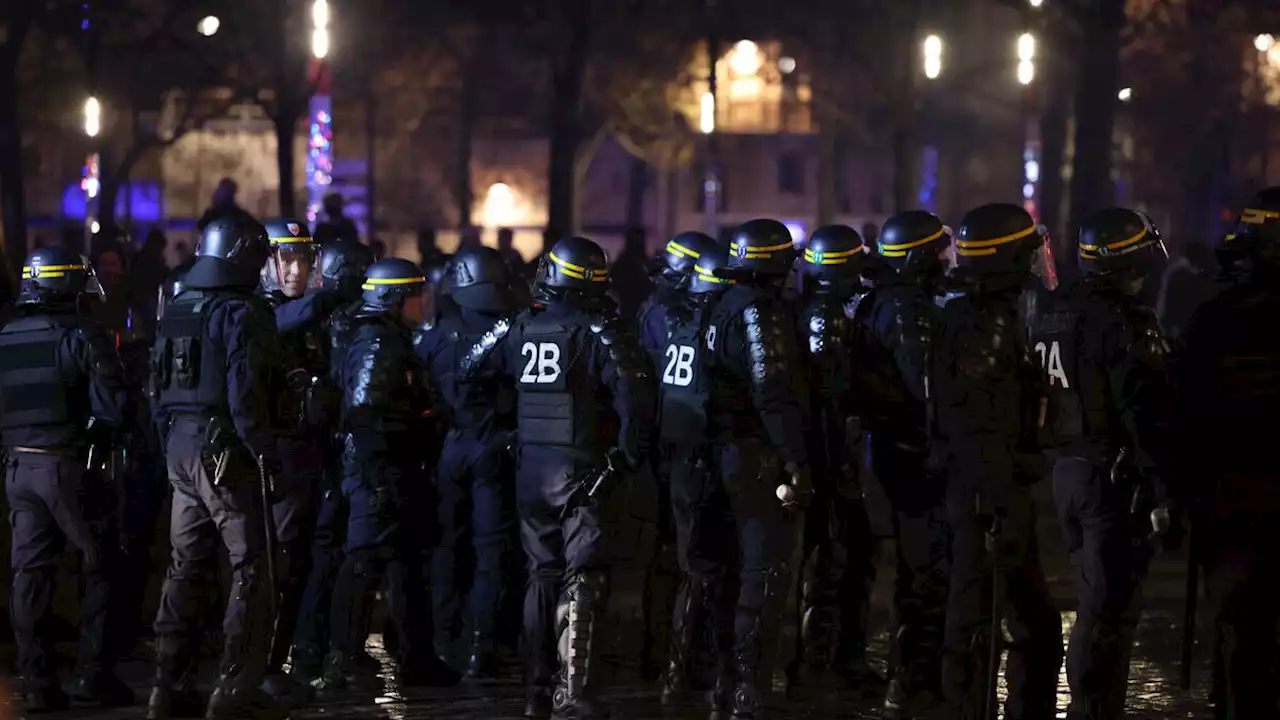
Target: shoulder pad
column 476, row 355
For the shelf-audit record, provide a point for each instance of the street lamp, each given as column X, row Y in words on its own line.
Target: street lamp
column 208, row 26
column 707, row 121
column 92, row 117
column 932, row 49
column 91, row 176
column 1026, row 58
column 320, row 137
column 1036, row 3
column 1125, row 94
column 1264, row 42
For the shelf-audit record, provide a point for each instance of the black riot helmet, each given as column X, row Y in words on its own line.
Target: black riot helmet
column 705, row 280
column 231, row 253
column 676, row 262
column 833, row 259
column 913, row 243
column 1119, row 241
column 762, row 246
column 1257, row 234
column 343, row 264
column 390, row 281
column 575, row 263
column 291, row 267
column 55, row 275
column 1003, row 240
column 480, row 279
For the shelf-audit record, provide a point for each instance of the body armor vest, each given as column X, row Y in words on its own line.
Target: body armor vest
column 731, row 410
column 188, row 369
column 555, row 406
column 471, row 402
column 1052, row 334
column 310, row 400
column 33, row 389
column 684, row 392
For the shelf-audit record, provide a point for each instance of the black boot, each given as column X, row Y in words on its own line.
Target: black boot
column 812, row 676
column 686, row 624
column 483, row 661
column 101, row 689
column 173, row 689
column 43, row 695
column 235, row 697
column 755, row 651
column 537, row 703
column 576, row 693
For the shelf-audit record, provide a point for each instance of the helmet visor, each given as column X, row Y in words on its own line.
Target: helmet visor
column 1042, row 264
column 91, row 284
column 292, row 269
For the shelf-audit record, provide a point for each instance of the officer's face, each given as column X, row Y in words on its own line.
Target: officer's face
column 294, row 273
column 414, row 310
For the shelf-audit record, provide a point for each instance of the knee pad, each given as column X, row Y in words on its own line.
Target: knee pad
column 587, row 586
column 194, row 571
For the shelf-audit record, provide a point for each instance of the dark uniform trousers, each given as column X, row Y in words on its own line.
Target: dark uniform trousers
column 838, row 569
column 472, row 487
column 1007, row 582
column 660, row 585
column 295, row 517
column 767, row 535
column 1110, row 563
column 566, row 546
column 1241, row 553
column 923, row 573
column 202, row 515
column 384, row 540
column 311, row 639
column 51, row 501
column 705, row 548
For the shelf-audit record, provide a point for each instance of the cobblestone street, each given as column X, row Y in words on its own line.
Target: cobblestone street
column 1153, row 691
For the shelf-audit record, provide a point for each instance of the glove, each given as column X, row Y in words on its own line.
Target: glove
column 797, row 493
column 1168, row 525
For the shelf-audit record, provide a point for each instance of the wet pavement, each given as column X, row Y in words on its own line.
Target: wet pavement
column 1153, row 691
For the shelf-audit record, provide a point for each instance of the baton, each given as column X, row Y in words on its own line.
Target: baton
column 269, row 525
column 1189, row 614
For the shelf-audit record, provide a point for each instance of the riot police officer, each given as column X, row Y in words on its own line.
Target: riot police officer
column 761, row 455
column 673, row 327
column 385, row 399
column 212, row 365
column 670, row 274
column 1104, row 361
column 62, row 398
column 987, row 397
column 1229, row 381
column 838, row 568
column 578, row 372
column 307, row 408
column 474, row 476
column 343, row 266
column 903, row 315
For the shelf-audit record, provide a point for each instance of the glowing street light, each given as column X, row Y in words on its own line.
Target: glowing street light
column 92, row 117
column 707, row 121
column 1036, row 3
column 1264, row 42
column 320, row 36
column 1125, row 94
column 208, row 26
column 1026, row 58
column 932, row 49
column 744, row 59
